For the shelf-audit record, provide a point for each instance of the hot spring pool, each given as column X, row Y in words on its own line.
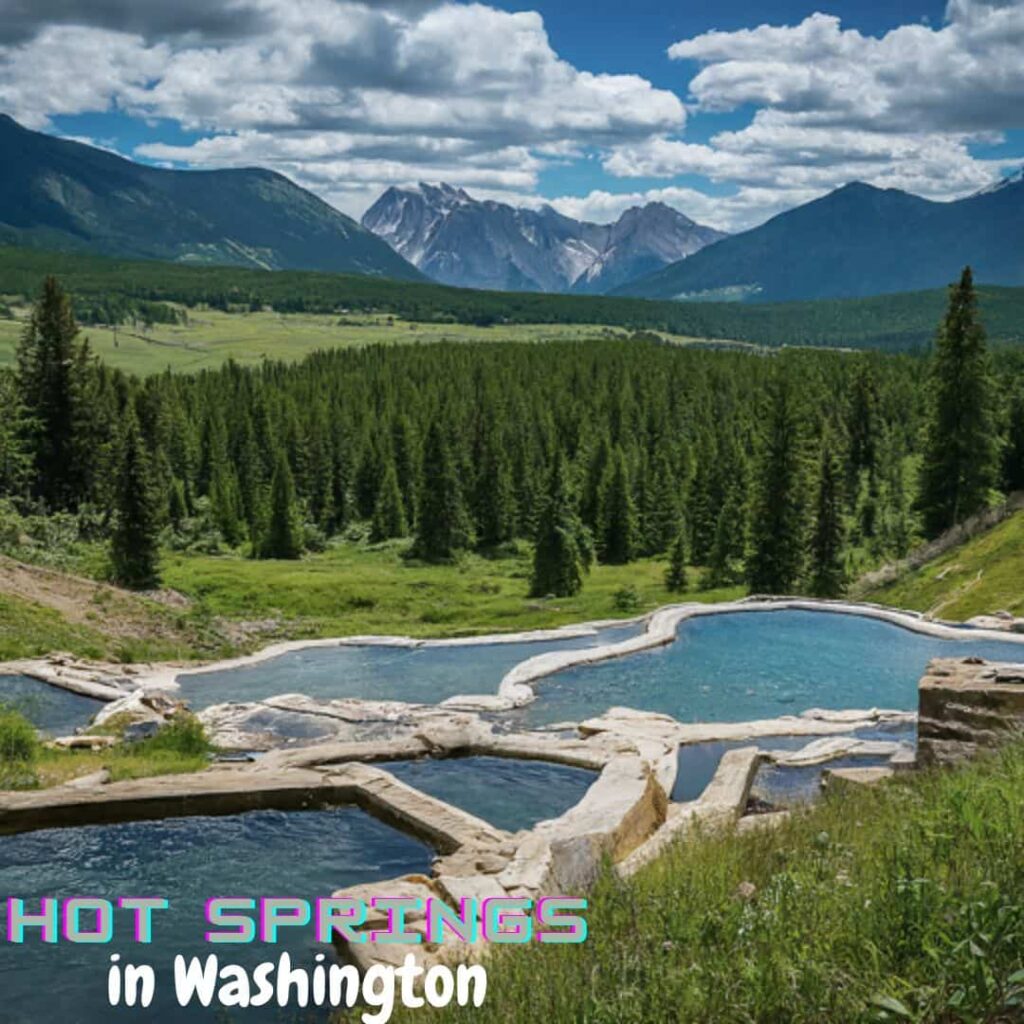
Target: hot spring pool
column 697, row 762
column 740, row 666
column 55, row 711
column 302, row 853
column 418, row 675
column 510, row 794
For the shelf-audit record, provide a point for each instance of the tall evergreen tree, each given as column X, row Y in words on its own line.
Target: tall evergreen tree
column 283, row 535
column 51, row 365
column 1013, row 454
column 134, row 548
column 676, row 579
column 563, row 552
column 444, row 528
column 961, row 447
column 778, row 512
column 495, row 499
column 14, row 456
column 729, row 545
column 618, row 537
column 828, row 576
column 389, row 515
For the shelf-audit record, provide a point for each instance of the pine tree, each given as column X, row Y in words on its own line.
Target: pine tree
column 778, row 513
column 495, row 499
column 828, row 577
column 134, row 547
column 14, row 457
column 676, row 579
column 444, row 527
column 283, row 536
column 51, row 364
column 389, row 515
column 563, row 552
column 663, row 517
column 1013, row 454
column 961, row 447
column 618, row 538
column 729, row 544
column 226, row 504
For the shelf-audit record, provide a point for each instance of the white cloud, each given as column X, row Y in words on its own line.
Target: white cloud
column 833, row 106
column 346, row 96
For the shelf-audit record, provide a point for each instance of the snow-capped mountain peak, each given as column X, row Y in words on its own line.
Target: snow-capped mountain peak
column 459, row 240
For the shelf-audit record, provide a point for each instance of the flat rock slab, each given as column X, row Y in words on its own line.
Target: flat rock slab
column 872, row 776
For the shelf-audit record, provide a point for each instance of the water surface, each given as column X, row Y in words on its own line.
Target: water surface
column 510, row 794
column 418, row 675
column 55, row 711
column 741, row 666
column 305, row 854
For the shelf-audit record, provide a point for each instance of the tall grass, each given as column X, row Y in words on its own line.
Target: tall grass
column 902, row 904
column 19, row 749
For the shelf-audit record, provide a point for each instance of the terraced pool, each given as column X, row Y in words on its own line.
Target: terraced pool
column 741, row 666
column 415, row 675
column 304, row 854
column 55, row 711
column 510, row 794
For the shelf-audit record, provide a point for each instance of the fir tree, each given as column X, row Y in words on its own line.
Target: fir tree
column 1013, row 454
column 618, row 538
column 778, row 513
column 134, row 547
column 961, row 447
column 283, row 536
column 828, row 576
column 676, row 579
column 563, row 553
column 444, row 528
column 225, row 505
column 662, row 524
column 51, row 366
column 728, row 547
column 495, row 500
column 389, row 515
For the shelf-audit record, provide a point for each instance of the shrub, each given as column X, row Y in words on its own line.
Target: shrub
column 627, row 599
column 185, row 736
column 19, row 743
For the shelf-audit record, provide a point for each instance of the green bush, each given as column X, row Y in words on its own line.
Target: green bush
column 627, row 599
column 18, row 739
column 185, row 737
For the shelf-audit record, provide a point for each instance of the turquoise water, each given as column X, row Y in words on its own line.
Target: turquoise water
column 784, row 787
column 698, row 762
column 187, row 860
column 420, row 675
column 49, row 708
column 510, row 794
column 751, row 665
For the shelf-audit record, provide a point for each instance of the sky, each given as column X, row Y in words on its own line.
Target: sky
column 731, row 112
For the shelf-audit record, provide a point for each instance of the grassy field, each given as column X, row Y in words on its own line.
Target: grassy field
column 210, row 337
column 226, row 604
column 899, row 904
column 985, row 575
column 352, row 589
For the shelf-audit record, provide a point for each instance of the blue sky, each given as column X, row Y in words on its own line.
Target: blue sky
column 730, row 112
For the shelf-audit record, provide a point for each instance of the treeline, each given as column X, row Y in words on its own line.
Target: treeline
column 770, row 470
column 113, row 291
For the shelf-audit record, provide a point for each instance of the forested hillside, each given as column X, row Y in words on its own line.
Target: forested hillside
column 111, row 291
column 783, row 472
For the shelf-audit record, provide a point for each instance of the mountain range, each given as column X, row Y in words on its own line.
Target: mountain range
column 855, row 242
column 458, row 240
column 59, row 194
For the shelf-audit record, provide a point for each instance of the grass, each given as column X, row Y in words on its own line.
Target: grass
column 982, row 576
column 354, row 589
column 25, row 763
column 904, row 903
column 211, row 337
column 29, row 630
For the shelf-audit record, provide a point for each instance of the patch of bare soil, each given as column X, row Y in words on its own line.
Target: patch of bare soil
column 112, row 611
